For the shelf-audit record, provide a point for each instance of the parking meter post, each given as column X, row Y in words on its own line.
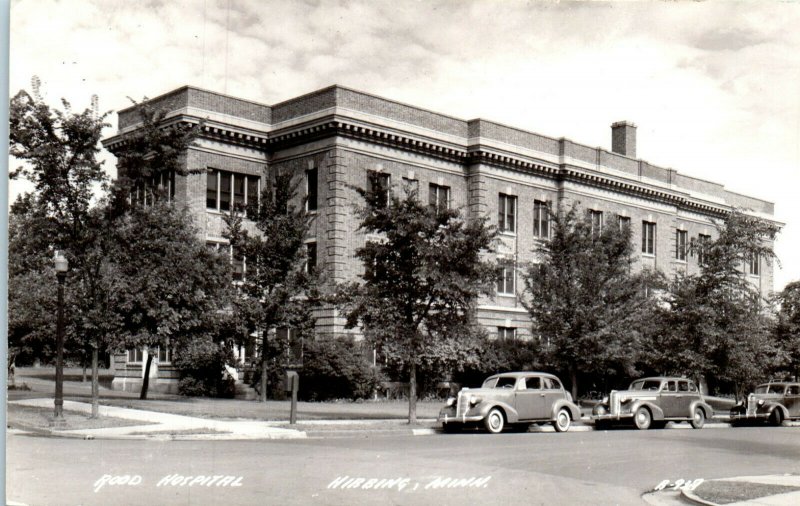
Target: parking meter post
column 293, row 385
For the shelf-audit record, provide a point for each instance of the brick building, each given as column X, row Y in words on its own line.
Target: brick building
column 332, row 138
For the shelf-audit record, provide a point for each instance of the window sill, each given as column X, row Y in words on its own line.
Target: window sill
column 507, row 233
column 507, row 295
column 648, row 255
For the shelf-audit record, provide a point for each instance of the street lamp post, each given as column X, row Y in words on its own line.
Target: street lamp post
column 62, row 266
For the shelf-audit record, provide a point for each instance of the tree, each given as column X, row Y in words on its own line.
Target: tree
column 714, row 323
column 168, row 280
column 422, row 277
column 59, row 154
column 584, row 299
column 787, row 330
column 273, row 292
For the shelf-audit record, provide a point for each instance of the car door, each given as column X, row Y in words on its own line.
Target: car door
column 669, row 399
column 552, row 394
column 530, row 398
column 792, row 400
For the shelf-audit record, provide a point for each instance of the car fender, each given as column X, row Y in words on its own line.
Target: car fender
column 769, row 407
column 511, row 414
column 655, row 410
column 574, row 410
column 707, row 409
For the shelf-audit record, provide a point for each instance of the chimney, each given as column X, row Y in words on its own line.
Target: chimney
column 623, row 138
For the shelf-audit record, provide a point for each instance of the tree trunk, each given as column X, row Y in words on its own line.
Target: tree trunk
column 264, row 368
column 95, row 384
column 412, row 394
column 146, row 380
column 573, row 377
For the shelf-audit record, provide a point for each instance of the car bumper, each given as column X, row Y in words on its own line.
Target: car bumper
column 745, row 416
column 611, row 416
column 451, row 418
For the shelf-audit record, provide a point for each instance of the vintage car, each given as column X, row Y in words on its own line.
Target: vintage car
column 771, row 402
column 515, row 399
column 654, row 402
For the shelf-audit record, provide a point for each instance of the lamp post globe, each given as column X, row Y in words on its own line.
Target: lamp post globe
column 61, row 267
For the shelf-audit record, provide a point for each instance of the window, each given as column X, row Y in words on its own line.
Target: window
column 681, row 238
column 596, row 222
column 506, row 333
column 623, row 222
column 225, row 188
column 505, row 279
column 164, row 354
column 439, row 197
column 506, row 213
column 160, row 185
column 683, row 386
column 533, row 384
column 648, row 238
column 551, row 384
column 238, row 264
column 136, row 355
column 541, row 219
column 294, row 344
column 379, row 183
column 311, row 257
column 702, row 243
column 311, row 189
column 754, row 265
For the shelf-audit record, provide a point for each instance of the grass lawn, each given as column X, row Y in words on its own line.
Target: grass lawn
column 40, row 418
column 726, row 492
column 233, row 409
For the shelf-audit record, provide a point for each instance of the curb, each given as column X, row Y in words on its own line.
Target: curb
column 695, row 499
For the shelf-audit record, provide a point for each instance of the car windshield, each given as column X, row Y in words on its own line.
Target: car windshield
column 653, row 385
column 500, row 382
column 769, row 389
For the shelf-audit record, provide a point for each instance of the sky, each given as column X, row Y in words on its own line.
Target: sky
column 713, row 87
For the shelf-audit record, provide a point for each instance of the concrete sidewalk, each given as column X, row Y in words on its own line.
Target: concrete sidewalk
column 164, row 422
column 781, row 499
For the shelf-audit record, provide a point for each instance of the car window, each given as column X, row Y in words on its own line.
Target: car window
column 775, row 389
column 532, row 384
column 653, row 385
column 683, row 386
column 554, row 384
column 692, row 388
column 761, row 389
column 506, row 382
column 489, row 383
column 793, row 390
column 671, row 386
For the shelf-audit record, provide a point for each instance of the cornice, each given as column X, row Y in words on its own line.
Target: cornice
column 334, row 125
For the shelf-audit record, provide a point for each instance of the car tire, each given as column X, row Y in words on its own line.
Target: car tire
column 494, row 421
column 776, row 417
column 698, row 418
column 562, row 421
column 642, row 418
column 450, row 428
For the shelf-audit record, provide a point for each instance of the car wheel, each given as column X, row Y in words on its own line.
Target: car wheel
column 698, row 418
column 450, row 428
column 562, row 420
column 776, row 418
column 642, row 418
column 494, row 421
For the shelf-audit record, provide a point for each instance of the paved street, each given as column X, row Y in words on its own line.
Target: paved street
column 613, row 467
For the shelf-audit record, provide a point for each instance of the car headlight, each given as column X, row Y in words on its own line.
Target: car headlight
column 605, row 400
column 451, row 401
column 761, row 402
column 474, row 400
column 599, row 410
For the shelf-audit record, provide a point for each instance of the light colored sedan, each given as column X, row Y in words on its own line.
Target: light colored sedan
column 514, row 399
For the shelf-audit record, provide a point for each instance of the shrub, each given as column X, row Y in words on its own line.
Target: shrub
column 201, row 363
column 335, row 369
